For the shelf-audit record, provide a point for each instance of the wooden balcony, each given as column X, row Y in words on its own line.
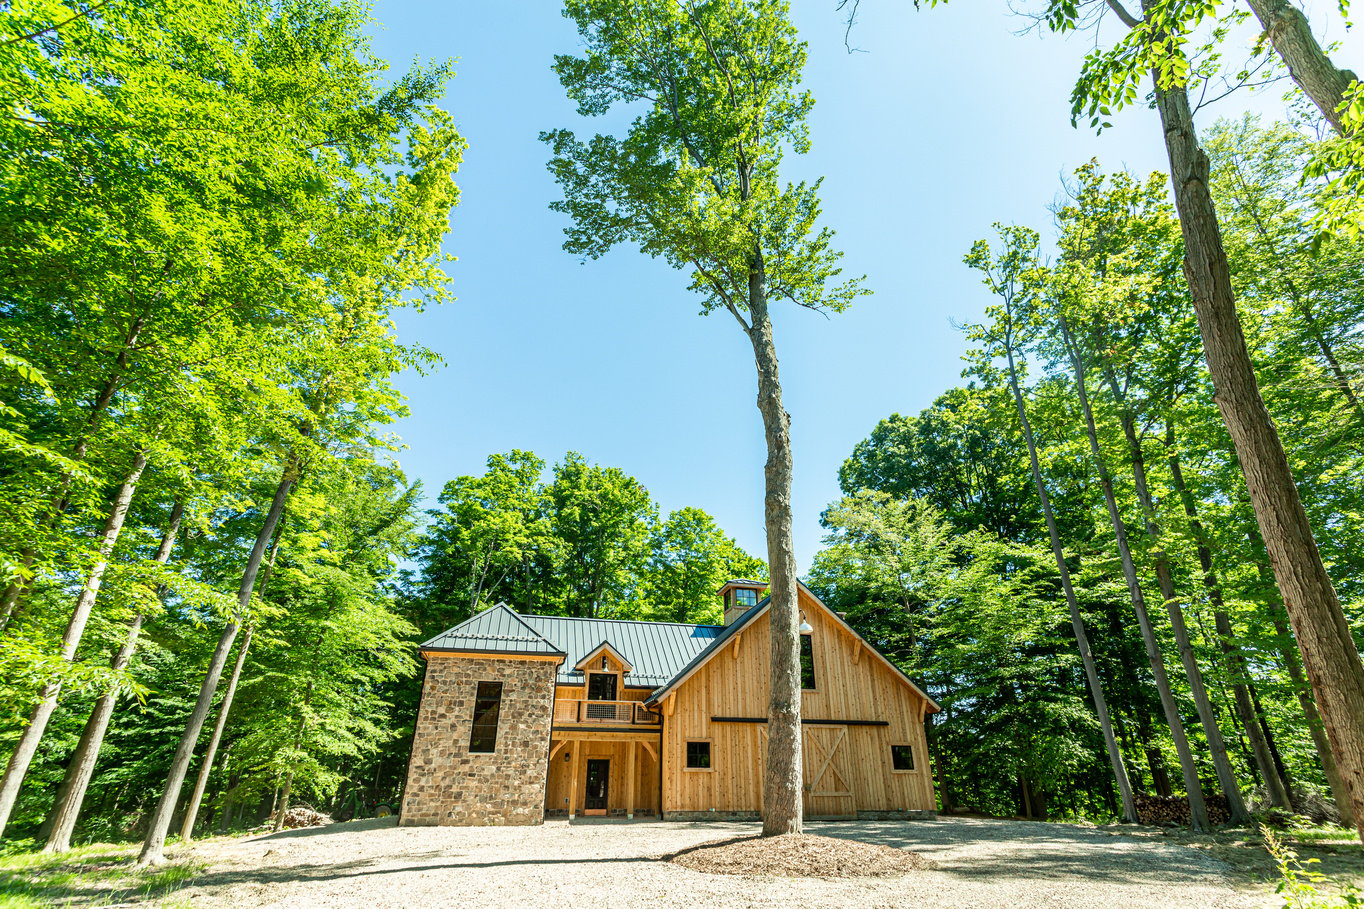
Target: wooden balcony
column 603, row 713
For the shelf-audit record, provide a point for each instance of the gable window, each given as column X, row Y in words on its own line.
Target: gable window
column 698, row 755
column 901, row 757
column 487, row 706
column 807, row 663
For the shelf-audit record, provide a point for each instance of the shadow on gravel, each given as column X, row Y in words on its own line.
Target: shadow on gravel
column 1022, row 849
column 316, row 873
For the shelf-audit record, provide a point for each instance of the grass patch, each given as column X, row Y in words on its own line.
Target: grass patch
column 91, row 875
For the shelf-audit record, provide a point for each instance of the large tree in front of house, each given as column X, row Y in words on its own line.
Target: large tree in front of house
column 714, row 89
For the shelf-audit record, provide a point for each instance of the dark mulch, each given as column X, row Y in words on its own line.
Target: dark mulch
column 799, row 855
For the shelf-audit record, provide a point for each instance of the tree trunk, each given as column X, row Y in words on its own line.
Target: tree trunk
column 206, row 766
column 85, row 603
column 1231, row 788
column 1198, row 812
column 60, row 498
column 1129, row 808
column 72, row 793
column 783, row 785
column 1328, row 650
column 1236, row 660
column 160, row 823
column 1313, row 71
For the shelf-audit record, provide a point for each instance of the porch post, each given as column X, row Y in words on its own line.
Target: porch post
column 573, row 784
column 630, row 792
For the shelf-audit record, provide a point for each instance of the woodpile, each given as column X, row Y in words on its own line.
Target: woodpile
column 303, row 816
column 1174, row 811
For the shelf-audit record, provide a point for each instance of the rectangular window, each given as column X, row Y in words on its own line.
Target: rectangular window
column 698, row 755
column 745, row 598
column 487, row 706
column 807, row 663
column 902, row 757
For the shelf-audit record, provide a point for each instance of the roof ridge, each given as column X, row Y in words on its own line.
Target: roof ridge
column 524, row 624
column 583, row 618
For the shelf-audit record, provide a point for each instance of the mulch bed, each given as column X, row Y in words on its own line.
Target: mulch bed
column 799, row 855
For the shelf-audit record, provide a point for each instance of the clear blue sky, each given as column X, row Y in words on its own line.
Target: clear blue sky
column 947, row 122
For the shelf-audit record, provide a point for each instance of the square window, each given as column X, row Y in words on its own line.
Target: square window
column 487, row 706
column 698, row 755
column 902, row 757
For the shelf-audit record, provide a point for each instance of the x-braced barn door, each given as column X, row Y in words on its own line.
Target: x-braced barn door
column 828, row 784
column 824, row 757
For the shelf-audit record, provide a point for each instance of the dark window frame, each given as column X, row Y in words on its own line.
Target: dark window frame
column 807, row 664
column 487, row 713
column 742, row 597
column 702, row 753
column 896, row 752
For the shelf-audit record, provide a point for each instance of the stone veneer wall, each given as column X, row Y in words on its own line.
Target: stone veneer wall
column 448, row 785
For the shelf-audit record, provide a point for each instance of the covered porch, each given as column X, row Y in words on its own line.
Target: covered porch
column 594, row 773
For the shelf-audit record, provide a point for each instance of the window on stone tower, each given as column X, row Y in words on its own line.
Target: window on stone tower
column 745, row 599
column 487, row 705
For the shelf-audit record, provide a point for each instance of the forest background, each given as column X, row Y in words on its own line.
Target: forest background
column 234, row 407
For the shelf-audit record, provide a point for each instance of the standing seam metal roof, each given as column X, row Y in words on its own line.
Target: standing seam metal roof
column 497, row 630
column 658, row 651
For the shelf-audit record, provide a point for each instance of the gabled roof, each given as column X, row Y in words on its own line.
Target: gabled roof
column 657, row 650
column 750, row 615
column 495, row 630
column 603, row 647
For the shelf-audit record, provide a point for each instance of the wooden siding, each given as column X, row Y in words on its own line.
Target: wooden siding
column 618, row 753
column 847, row 767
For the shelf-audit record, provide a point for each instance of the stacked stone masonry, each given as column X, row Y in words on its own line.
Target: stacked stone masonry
column 449, row 785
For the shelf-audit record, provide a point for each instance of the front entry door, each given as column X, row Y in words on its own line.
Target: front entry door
column 598, row 786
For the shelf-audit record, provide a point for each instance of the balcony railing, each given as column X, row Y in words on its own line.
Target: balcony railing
column 614, row 713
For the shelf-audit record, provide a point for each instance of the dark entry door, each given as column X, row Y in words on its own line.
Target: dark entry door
column 601, row 686
column 598, row 784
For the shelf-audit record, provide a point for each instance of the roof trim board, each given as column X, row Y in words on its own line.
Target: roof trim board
column 705, row 656
column 596, row 651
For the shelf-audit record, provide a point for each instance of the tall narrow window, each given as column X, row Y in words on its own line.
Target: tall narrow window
column 807, row 663
column 487, row 705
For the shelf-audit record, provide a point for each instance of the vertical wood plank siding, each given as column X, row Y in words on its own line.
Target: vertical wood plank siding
column 735, row 685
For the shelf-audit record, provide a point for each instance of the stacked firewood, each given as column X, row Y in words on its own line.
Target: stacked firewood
column 1174, row 810
column 303, row 816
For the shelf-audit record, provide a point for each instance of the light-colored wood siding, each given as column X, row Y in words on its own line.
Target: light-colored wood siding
column 579, row 692
column 850, row 685
column 618, row 753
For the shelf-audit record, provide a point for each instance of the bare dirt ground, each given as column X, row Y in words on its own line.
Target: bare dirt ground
column 979, row 863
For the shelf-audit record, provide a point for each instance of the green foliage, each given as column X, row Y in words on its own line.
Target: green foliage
column 586, row 542
column 1302, row 887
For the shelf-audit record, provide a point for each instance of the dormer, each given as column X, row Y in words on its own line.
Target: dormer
column 741, row 595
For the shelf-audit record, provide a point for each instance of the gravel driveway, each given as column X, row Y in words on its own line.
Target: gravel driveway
column 980, row 863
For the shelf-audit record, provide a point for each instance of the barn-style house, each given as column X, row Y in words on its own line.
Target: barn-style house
column 524, row 717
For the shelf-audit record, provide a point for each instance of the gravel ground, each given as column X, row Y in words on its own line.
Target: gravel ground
column 979, row 863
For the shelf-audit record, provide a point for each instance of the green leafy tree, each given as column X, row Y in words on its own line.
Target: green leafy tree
column 695, row 180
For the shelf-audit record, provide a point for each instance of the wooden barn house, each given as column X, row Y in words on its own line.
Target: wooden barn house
column 528, row 716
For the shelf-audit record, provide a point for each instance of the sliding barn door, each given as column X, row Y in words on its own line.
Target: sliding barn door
column 828, row 777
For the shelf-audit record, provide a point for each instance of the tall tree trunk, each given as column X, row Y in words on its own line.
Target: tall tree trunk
column 1240, row 672
column 155, row 841
column 27, row 746
column 1291, row 35
column 206, row 765
column 1328, row 649
column 1129, row 809
column 783, row 785
column 60, row 497
column 1198, row 812
column 1231, row 788
column 72, row 793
